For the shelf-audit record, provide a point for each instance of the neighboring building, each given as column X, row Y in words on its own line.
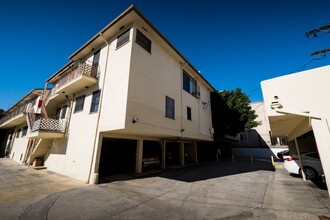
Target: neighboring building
column 258, row 141
column 297, row 108
column 15, row 126
column 126, row 98
column 259, row 136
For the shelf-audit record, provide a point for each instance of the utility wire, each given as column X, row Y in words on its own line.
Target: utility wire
column 304, row 66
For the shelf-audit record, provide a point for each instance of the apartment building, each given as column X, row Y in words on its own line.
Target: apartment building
column 126, row 99
column 297, row 107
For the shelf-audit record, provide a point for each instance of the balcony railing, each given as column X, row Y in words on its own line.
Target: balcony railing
column 83, row 69
column 48, row 124
column 16, row 111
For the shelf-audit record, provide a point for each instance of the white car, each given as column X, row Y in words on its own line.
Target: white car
column 311, row 162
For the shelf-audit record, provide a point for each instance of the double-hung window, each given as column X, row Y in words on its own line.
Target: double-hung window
column 170, row 107
column 143, row 41
column 79, row 103
column 63, row 111
column 95, row 101
column 123, row 38
column 190, row 85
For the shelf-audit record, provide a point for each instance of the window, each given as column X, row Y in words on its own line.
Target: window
column 143, row 41
column 169, row 113
column 123, row 38
column 24, row 131
column 63, row 111
column 243, row 137
column 57, row 114
column 96, row 58
column 18, row 132
column 95, row 101
column 79, row 103
column 190, row 85
column 188, row 113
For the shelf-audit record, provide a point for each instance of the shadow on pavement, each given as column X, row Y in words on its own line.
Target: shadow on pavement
column 200, row 171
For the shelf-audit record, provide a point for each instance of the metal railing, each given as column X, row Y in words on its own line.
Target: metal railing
column 48, row 124
column 85, row 68
column 16, row 111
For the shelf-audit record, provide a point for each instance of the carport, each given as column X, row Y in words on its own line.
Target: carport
column 305, row 132
column 296, row 105
column 120, row 156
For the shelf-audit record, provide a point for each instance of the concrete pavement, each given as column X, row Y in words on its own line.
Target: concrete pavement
column 206, row 191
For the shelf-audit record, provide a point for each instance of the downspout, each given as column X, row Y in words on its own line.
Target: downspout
column 96, row 135
column 182, row 130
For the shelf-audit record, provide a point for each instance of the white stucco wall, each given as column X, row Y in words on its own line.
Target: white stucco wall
column 303, row 93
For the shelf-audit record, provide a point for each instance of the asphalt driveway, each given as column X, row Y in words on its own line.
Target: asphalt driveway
column 205, row 191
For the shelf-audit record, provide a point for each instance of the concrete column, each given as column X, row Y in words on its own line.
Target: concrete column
column 94, row 169
column 196, row 158
column 182, row 154
column 139, row 156
column 301, row 162
column 163, row 154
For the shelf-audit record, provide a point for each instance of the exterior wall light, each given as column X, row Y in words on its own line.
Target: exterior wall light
column 135, row 119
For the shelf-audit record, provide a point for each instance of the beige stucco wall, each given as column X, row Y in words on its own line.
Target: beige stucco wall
column 19, row 146
column 153, row 76
column 72, row 155
column 302, row 92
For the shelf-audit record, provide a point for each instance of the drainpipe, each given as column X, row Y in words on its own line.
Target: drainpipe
column 181, row 130
column 96, row 135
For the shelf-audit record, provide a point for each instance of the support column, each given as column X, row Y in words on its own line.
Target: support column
column 139, row 155
column 301, row 162
column 181, row 153
column 196, row 158
column 163, row 154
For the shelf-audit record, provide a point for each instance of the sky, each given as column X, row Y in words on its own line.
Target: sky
column 233, row 43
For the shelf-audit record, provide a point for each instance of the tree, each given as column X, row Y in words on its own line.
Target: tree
column 2, row 113
column 231, row 113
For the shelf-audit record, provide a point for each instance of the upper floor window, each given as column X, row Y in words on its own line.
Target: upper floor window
column 18, row 132
column 79, row 103
column 123, row 38
column 190, row 85
column 170, row 107
column 188, row 113
column 24, row 131
column 143, row 41
column 96, row 58
column 63, row 111
column 95, row 101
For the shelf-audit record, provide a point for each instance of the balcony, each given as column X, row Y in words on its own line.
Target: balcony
column 76, row 79
column 47, row 128
column 14, row 117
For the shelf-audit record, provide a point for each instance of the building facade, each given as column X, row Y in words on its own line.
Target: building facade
column 127, row 98
column 297, row 107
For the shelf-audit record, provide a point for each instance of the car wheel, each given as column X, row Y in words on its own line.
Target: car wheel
column 311, row 173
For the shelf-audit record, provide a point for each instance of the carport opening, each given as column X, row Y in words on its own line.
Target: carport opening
column 172, row 154
column 118, row 156
column 152, row 155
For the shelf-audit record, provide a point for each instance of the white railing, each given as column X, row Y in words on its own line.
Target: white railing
column 49, row 124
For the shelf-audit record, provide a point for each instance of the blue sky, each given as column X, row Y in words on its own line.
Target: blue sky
column 233, row 43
